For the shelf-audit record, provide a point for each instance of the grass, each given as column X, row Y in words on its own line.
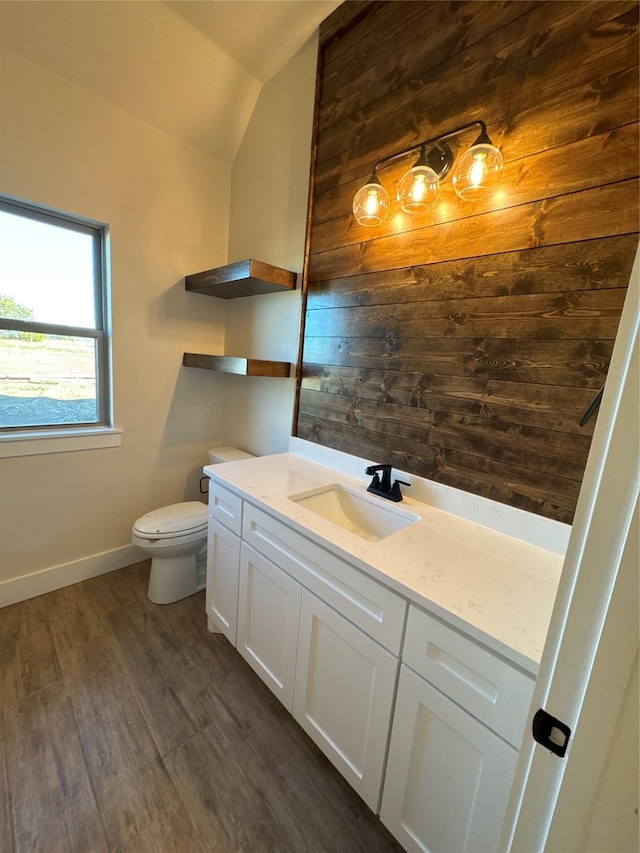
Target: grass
column 51, row 381
column 63, row 369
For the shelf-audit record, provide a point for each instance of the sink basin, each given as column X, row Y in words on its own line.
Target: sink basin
column 355, row 511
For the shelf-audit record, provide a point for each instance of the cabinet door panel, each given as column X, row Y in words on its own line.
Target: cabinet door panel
column 223, row 558
column 448, row 776
column 268, row 612
column 343, row 694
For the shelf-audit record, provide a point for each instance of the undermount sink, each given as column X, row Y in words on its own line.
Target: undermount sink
column 356, row 512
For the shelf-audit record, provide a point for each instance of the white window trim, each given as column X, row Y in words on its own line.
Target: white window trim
column 58, row 441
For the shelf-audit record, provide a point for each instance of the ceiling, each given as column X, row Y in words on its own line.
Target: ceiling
column 191, row 68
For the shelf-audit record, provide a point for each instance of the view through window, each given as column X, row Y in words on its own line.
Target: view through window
column 53, row 330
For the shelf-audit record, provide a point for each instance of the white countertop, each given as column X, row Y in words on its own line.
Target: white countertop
column 498, row 589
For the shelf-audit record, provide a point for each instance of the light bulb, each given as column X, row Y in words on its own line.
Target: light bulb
column 371, row 203
column 477, row 170
column 418, row 189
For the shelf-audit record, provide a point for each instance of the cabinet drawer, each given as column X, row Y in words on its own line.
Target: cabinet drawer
column 366, row 603
column 225, row 506
column 488, row 687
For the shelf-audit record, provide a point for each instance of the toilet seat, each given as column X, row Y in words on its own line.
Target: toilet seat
column 174, row 521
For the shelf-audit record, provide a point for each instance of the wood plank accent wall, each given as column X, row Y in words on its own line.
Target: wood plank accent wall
column 465, row 345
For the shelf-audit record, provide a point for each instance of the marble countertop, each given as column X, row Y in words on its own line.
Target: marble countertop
column 494, row 587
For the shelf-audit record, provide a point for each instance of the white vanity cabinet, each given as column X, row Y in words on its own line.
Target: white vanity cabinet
column 223, row 560
column 371, row 678
column 268, row 616
column 344, row 689
column 459, row 717
column 322, row 635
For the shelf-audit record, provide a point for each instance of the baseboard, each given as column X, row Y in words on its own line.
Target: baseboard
column 17, row 589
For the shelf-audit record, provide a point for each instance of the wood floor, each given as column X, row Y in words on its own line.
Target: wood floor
column 126, row 726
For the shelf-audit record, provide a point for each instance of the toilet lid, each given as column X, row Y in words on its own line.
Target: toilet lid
column 170, row 520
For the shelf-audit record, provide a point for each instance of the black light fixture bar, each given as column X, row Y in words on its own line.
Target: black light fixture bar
column 443, row 137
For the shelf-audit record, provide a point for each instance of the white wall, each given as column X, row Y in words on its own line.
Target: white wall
column 167, row 205
column 269, row 190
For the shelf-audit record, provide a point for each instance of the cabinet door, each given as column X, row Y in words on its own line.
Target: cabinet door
column 343, row 694
column 448, row 776
column 223, row 559
column 268, row 612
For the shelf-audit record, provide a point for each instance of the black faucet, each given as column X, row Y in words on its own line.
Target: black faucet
column 381, row 485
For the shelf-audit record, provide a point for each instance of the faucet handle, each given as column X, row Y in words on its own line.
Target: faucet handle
column 395, row 493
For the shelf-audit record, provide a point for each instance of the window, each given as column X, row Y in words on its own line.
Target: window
column 54, row 341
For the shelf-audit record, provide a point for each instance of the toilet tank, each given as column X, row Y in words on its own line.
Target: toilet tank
column 227, row 454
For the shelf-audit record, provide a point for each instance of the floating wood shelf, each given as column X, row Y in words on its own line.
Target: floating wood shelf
column 240, row 366
column 244, row 278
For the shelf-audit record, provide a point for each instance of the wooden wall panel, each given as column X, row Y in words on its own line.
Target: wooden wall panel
column 465, row 344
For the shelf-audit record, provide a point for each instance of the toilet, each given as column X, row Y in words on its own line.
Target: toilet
column 175, row 537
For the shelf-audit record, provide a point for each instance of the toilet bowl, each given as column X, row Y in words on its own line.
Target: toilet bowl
column 175, row 537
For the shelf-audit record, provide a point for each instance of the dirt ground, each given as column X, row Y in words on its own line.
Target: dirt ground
column 46, row 382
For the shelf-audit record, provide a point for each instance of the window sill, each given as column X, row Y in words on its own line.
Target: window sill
column 58, row 441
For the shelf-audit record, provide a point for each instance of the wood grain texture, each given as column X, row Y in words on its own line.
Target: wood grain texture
column 128, row 778
column 603, row 36
column 602, row 211
column 563, row 315
column 53, row 801
column 528, row 404
column 347, row 85
column 6, row 832
column 243, row 278
column 239, row 366
column 465, row 344
column 79, row 766
column 588, row 265
column 172, row 714
column 581, row 364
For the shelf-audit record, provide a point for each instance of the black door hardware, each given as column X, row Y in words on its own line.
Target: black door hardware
column 550, row 732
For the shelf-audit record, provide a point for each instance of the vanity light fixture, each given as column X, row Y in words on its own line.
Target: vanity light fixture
column 474, row 174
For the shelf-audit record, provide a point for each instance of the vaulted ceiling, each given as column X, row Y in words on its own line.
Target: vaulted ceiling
column 191, row 68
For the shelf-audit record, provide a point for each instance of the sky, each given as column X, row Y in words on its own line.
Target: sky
column 48, row 268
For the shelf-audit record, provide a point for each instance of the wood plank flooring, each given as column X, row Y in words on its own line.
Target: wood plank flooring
column 127, row 726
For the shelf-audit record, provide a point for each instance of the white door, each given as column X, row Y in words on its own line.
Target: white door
column 223, row 558
column 268, row 612
column 343, row 694
column 448, row 776
column 593, row 635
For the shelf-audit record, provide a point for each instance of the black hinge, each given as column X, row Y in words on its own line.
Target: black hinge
column 550, row 732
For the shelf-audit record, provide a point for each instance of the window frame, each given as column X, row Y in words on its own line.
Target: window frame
column 101, row 334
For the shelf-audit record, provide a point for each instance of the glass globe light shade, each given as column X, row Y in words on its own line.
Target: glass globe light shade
column 371, row 203
column 418, row 189
column 477, row 171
